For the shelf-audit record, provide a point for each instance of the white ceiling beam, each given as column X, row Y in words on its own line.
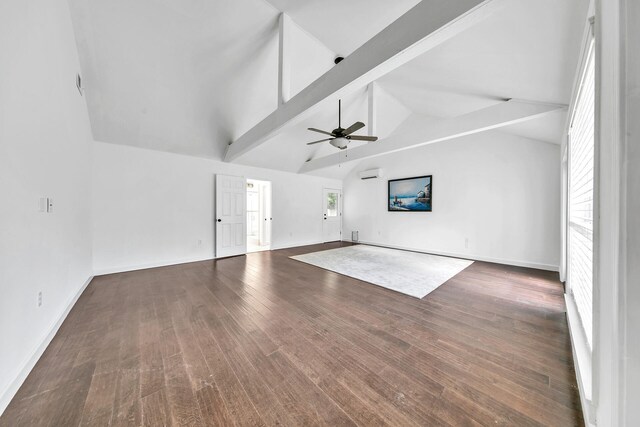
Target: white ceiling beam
column 427, row 132
column 427, row 25
column 284, row 59
column 372, row 98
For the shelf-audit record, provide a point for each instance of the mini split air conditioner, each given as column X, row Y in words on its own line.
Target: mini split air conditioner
column 370, row 174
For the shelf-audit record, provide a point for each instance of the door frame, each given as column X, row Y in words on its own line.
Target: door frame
column 324, row 214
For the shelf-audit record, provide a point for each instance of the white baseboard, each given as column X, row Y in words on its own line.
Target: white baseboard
column 26, row 368
column 296, row 245
column 133, row 267
column 539, row 266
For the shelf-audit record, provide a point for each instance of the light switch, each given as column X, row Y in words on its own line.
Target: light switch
column 49, row 205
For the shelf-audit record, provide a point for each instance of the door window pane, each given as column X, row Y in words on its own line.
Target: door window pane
column 332, row 204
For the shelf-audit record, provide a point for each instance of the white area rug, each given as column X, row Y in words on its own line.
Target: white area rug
column 410, row 273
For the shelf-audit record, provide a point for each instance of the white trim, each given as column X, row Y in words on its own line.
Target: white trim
column 609, row 369
column 564, row 213
column 584, row 359
column 134, row 267
column 26, row 368
column 581, row 360
column 517, row 263
column 297, row 245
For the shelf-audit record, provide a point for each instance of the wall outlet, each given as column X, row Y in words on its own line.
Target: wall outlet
column 40, row 299
column 45, row 204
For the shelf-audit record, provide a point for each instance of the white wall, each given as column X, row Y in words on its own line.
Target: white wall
column 44, row 151
column 502, row 192
column 150, row 208
column 309, row 59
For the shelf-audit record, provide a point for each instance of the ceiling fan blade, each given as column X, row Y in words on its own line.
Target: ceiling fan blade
column 322, row 140
column 363, row 138
column 354, row 127
column 321, row 131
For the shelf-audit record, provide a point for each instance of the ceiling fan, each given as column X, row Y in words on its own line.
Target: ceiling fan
column 340, row 137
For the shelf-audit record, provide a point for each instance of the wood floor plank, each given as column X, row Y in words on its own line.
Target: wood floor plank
column 155, row 409
column 126, row 405
column 182, row 402
column 237, row 405
column 71, row 396
column 98, row 409
column 266, row 340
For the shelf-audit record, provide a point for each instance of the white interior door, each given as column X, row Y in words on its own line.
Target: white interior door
column 231, row 216
column 332, row 215
column 265, row 238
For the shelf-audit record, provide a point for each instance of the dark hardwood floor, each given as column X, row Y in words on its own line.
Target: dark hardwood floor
column 266, row 340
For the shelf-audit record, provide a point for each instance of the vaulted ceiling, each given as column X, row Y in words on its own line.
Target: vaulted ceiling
column 190, row 76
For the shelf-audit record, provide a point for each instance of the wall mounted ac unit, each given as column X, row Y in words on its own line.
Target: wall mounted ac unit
column 370, row 174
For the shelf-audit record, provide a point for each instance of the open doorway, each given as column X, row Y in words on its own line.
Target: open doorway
column 259, row 218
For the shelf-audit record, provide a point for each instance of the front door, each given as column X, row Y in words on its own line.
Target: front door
column 231, row 216
column 332, row 215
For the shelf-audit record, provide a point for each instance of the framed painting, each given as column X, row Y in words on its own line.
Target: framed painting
column 410, row 194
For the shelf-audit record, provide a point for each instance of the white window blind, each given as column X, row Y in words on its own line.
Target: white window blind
column 580, row 230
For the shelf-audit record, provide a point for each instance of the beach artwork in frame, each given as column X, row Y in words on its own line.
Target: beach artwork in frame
column 410, row 194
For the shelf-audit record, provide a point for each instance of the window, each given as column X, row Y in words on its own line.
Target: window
column 580, row 198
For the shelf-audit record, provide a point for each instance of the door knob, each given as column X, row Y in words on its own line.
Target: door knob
column 219, row 220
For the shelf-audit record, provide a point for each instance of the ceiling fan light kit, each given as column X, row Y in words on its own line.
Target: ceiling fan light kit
column 340, row 137
column 340, row 142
